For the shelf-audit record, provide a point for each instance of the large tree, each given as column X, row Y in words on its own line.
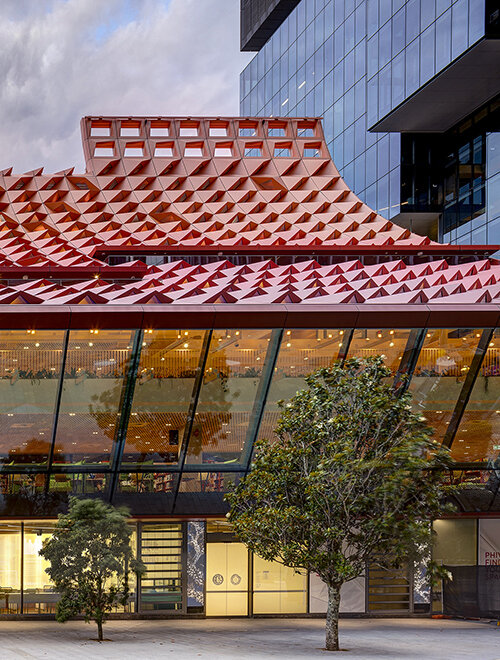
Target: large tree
column 351, row 475
column 90, row 557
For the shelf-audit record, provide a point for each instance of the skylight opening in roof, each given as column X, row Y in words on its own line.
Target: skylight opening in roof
column 312, row 151
column 282, row 151
column 193, row 150
column 255, row 152
column 223, row 150
column 164, row 150
column 130, row 129
column 105, row 149
column 134, row 150
column 217, row 130
column 306, row 129
column 159, row 129
column 188, row 129
column 247, row 128
column 100, row 129
column 276, row 130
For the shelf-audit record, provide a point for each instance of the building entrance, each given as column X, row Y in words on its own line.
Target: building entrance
column 227, row 579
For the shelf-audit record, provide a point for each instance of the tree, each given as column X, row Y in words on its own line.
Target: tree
column 353, row 474
column 90, row 559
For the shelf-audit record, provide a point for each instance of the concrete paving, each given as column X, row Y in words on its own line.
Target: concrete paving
column 382, row 639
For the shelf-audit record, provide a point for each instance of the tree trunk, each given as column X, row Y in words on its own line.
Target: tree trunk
column 332, row 618
column 99, row 631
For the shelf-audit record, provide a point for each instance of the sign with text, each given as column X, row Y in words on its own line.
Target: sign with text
column 489, row 543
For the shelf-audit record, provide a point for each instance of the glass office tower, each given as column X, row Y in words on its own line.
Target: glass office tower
column 408, row 95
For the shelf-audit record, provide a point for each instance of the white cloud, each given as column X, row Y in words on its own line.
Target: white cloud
column 63, row 59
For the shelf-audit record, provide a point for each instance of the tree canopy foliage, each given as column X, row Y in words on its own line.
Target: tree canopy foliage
column 351, row 475
column 90, row 559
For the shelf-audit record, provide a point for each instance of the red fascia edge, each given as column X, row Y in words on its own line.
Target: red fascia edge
column 169, row 316
column 310, row 250
column 74, row 272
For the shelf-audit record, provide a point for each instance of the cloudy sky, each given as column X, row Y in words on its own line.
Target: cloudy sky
column 63, row 59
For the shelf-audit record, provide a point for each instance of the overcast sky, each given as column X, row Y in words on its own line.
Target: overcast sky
column 63, row 59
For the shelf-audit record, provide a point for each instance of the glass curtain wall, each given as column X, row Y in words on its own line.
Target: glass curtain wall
column 163, row 393
column 30, row 368
column 235, row 363
column 301, row 352
column 95, row 371
column 187, row 434
column 442, row 366
column 352, row 63
column 478, row 435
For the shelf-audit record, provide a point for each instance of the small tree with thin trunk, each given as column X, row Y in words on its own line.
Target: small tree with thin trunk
column 90, row 559
column 352, row 476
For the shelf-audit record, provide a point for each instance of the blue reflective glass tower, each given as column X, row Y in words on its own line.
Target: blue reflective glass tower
column 409, row 95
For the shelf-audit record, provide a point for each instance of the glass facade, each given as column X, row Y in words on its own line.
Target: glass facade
column 165, row 421
column 352, row 63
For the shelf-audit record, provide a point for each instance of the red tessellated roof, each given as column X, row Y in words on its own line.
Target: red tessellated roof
column 189, row 185
column 264, row 283
column 196, row 186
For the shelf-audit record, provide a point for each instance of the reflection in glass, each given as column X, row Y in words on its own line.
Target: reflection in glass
column 204, row 491
column 437, row 381
column 86, row 484
column 480, row 489
column 478, row 435
column 162, row 396
column 388, row 343
column 10, row 568
column 95, row 370
column 207, row 482
column 236, row 360
column 147, row 482
column 30, row 365
column 26, row 486
column 40, row 596
column 301, row 352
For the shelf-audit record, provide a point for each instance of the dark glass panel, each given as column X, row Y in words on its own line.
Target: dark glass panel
column 86, row 484
column 478, row 436
column 443, row 40
column 151, row 492
column 162, row 396
column 23, row 494
column 479, row 489
column 30, row 365
column 439, row 375
column 412, row 66
column 95, row 371
column 301, row 352
column 204, row 492
column 235, row 362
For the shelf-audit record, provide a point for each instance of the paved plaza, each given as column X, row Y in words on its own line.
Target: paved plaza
column 401, row 639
